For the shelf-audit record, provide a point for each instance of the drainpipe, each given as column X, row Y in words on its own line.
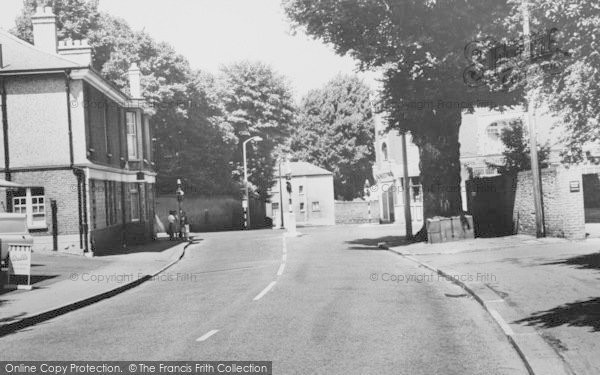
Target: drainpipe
column 79, row 173
column 7, row 175
column 69, row 118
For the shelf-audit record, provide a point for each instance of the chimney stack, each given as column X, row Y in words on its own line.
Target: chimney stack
column 78, row 51
column 135, row 84
column 44, row 29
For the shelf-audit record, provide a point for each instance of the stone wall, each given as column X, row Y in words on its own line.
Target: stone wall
column 564, row 214
column 356, row 212
column 206, row 213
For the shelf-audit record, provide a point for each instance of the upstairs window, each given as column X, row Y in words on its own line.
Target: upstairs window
column 493, row 130
column 132, row 139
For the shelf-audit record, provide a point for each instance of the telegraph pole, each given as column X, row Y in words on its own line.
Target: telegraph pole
column 535, row 168
column 406, row 190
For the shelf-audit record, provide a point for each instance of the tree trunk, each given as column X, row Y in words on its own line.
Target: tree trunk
column 439, row 152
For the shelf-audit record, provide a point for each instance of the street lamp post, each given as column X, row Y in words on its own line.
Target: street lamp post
column 246, row 201
column 291, row 220
column 179, row 192
column 281, row 223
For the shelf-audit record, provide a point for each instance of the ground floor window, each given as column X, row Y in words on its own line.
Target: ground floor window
column 32, row 202
column 315, row 206
column 93, row 204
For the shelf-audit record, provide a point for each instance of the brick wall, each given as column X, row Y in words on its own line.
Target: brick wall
column 564, row 214
column 356, row 212
column 59, row 185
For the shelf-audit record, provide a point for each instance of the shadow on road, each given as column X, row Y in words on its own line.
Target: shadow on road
column 588, row 261
column 576, row 314
column 372, row 243
column 12, row 318
column 35, row 279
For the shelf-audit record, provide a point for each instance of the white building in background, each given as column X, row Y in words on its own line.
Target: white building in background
column 389, row 180
column 312, row 195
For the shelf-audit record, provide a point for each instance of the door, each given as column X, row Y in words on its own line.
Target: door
column 385, row 213
column 491, row 201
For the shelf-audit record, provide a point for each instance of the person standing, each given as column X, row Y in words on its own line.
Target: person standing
column 171, row 218
column 183, row 225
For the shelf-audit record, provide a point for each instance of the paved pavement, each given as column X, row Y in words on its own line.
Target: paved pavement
column 328, row 302
column 64, row 281
column 551, row 285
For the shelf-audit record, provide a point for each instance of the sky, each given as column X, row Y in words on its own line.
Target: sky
column 215, row 32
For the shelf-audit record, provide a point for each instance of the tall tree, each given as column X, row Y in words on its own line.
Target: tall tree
column 572, row 93
column 256, row 101
column 419, row 45
column 335, row 130
column 75, row 18
column 192, row 141
column 516, row 150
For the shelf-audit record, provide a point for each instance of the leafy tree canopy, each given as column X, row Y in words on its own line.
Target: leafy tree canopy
column 335, row 131
column 419, row 46
column 517, row 152
column 573, row 92
column 256, row 101
column 192, row 142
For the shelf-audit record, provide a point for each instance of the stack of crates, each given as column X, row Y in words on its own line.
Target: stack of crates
column 444, row 229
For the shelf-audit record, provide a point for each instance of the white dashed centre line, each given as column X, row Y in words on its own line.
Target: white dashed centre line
column 281, row 268
column 265, row 291
column 207, row 335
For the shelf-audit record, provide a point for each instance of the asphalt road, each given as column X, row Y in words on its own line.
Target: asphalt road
column 325, row 303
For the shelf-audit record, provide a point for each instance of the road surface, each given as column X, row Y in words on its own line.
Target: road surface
column 328, row 302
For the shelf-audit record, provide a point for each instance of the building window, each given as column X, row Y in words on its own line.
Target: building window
column 315, row 206
column 301, row 206
column 415, row 187
column 275, row 206
column 134, row 196
column 111, row 202
column 93, row 204
column 493, row 131
column 384, row 151
column 106, row 133
column 132, row 144
column 300, row 189
column 31, row 202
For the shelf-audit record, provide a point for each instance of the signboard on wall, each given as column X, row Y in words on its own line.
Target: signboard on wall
column 574, row 186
